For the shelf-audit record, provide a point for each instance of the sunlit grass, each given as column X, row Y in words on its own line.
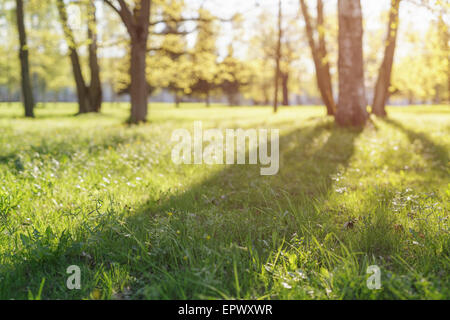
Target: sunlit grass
column 94, row 192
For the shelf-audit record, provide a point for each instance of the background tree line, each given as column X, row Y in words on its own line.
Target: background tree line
column 148, row 45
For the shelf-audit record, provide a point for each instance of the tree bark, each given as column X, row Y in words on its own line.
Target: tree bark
column 27, row 91
column 95, row 86
column 139, row 87
column 278, row 58
column 384, row 76
column 137, row 23
column 352, row 96
column 320, row 55
column 82, row 90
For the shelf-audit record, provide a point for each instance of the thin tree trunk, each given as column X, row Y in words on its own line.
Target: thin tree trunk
column 27, row 91
column 95, row 86
column 278, row 57
column 445, row 41
column 8, row 96
column 324, row 62
column 320, row 56
column 177, row 100
column 8, row 84
column 384, row 75
column 207, row 100
column 82, row 90
column 284, row 85
column 352, row 96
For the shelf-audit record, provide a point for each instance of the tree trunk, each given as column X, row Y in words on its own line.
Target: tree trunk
column 82, row 90
column 278, row 58
column 323, row 62
column 177, row 100
column 139, row 86
column 320, row 56
column 27, row 91
column 285, row 90
column 384, row 75
column 352, row 96
column 137, row 23
column 410, row 97
column 207, row 100
column 445, row 41
column 235, row 100
column 95, row 86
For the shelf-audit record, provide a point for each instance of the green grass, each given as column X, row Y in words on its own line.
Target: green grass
column 94, row 192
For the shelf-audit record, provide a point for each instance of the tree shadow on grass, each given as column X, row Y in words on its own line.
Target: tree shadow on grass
column 431, row 151
column 204, row 241
column 205, row 234
column 308, row 160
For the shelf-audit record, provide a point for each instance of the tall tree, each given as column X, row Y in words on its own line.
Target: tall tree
column 320, row 54
column 352, row 95
column 89, row 97
column 95, row 85
column 278, row 56
column 444, row 31
column 234, row 75
column 423, row 75
column 171, row 58
column 9, row 67
column 27, row 91
column 137, row 22
column 384, row 75
column 205, row 73
column 288, row 56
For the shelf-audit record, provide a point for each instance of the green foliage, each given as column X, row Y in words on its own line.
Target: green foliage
column 234, row 75
column 423, row 75
column 170, row 64
column 204, row 56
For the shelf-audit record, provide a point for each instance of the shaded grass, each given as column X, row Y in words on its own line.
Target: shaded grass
column 94, row 192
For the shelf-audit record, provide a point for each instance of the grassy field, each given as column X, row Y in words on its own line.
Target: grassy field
column 93, row 192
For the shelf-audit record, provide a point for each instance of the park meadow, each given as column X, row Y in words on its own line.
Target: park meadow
column 224, row 151
column 94, row 192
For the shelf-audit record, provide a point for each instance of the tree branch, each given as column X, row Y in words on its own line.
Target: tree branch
column 165, row 21
column 124, row 13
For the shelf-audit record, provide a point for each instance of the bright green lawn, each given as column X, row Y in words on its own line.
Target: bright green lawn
column 93, row 192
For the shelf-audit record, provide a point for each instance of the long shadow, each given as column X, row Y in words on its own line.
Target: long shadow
column 306, row 166
column 434, row 151
column 309, row 158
